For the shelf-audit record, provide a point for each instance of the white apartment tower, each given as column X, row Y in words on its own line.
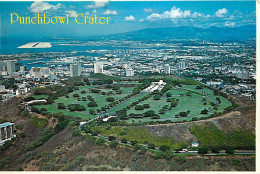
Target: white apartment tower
column 182, row 65
column 10, row 66
column 167, row 69
column 130, row 72
column 75, row 69
column 98, row 67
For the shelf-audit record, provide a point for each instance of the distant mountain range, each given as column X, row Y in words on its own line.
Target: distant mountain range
column 184, row 32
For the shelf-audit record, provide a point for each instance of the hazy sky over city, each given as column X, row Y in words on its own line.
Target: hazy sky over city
column 126, row 16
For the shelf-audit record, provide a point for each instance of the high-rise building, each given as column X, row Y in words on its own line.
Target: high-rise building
column 182, row 65
column 167, row 69
column 45, row 71
column 36, row 72
column 22, row 69
column 2, row 66
column 126, row 66
column 98, row 67
column 130, row 72
column 10, row 66
column 75, row 69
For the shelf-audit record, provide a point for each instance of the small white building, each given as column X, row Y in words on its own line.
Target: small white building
column 155, row 86
column 106, row 119
column 195, row 144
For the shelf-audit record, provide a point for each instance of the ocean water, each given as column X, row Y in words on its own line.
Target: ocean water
column 9, row 45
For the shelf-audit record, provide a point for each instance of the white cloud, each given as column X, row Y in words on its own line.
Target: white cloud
column 141, row 20
column 230, row 24
column 153, row 16
column 129, row 18
column 148, row 10
column 174, row 13
column 110, row 12
column 71, row 13
column 207, row 16
column 221, row 13
column 39, row 7
column 98, row 4
column 87, row 13
column 94, row 11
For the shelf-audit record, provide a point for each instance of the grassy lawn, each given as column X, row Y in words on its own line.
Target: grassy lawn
column 100, row 99
column 127, row 102
column 193, row 103
column 53, row 109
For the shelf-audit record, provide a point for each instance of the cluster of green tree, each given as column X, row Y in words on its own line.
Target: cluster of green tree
column 61, row 106
column 183, row 114
column 76, row 107
column 110, row 99
column 9, row 83
column 142, row 107
column 229, row 108
column 204, row 111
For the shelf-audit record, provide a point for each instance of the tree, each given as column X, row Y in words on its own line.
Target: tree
column 164, row 148
column 86, row 80
column 83, row 92
column 230, row 151
column 183, row 114
column 80, row 107
column 92, row 104
column 174, row 103
column 204, row 111
column 122, row 115
column 146, row 106
column 139, row 107
column 92, row 112
column 157, row 97
column 61, row 106
column 214, row 149
column 202, row 151
column 75, row 95
column 156, row 116
column 110, row 99
column 113, row 144
column 100, row 141
column 149, row 113
column 76, row 107
column 111, row 138
column 168, row 94
column 27, row 99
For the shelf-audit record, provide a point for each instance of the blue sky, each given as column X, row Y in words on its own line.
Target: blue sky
column 127, row 16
